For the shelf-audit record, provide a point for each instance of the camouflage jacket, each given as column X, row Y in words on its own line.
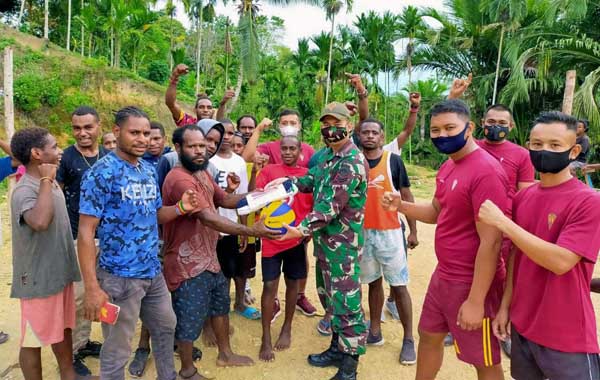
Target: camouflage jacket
column 339, row 186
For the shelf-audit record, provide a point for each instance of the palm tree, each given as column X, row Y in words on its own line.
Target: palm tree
column 432, row 91
column 411, row 26
column 332, row 8
column 45, row 19
column 69, row 25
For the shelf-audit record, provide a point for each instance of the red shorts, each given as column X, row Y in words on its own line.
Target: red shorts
column 440, row 311
column 44, row 320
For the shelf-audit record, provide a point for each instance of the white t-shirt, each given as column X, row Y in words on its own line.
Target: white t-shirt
column 234, row 164
column 392, row 146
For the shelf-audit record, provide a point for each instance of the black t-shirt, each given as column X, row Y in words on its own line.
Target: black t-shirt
column 73, row 166
column 399, row 175
column 584, row 141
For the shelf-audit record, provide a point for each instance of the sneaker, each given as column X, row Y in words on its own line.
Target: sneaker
column 390, row 305
column 80, row 368
column 304, row 305
column 448, row 340
column 91, row 348
column 324, row 327
column 506, row 346
column 408, row 355
column 375, row 340
column 276, row 310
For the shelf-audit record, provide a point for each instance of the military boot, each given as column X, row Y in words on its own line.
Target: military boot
column 332, row 357
column 347, row 370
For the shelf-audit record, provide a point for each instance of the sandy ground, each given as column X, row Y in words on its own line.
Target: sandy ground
column 379, row 363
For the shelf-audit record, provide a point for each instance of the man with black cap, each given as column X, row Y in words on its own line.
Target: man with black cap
column 339, row 187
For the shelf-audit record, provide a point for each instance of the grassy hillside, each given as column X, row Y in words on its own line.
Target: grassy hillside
column 51, row 82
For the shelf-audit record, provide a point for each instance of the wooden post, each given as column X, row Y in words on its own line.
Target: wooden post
column 9, row 117
column 569, row 92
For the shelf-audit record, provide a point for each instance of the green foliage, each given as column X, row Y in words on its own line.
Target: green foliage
column 158, row 71
column 32, row 90
column 4, row 42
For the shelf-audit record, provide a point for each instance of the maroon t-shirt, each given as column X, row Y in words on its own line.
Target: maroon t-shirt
column 551, row 310
column 273, row 150
column 461, row 187
column 190, row 246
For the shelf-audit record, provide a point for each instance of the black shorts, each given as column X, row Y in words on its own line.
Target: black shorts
column 531, row 361
column 293, row 262
column 233, row 262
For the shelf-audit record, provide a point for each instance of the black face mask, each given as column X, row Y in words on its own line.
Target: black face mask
column 545, row 161
column 495, row 132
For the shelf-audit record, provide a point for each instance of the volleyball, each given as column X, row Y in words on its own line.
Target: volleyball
column 276, row 214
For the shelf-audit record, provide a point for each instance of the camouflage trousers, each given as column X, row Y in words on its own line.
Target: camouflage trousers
column 342, row 294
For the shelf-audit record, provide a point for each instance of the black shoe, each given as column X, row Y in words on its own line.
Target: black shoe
column 330, row 357
column 348, row 368
column 80, row 368
column 90, row 349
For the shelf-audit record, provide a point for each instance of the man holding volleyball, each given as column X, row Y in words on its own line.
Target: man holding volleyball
column 288, row 255
column 339, row 187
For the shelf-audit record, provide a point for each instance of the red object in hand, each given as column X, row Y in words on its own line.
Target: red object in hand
column 109, row 313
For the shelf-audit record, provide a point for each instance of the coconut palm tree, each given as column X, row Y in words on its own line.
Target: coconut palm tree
column 410, row 25
column 332, row 8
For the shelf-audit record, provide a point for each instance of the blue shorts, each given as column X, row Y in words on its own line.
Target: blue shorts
column 384, row 255
column 196, row 299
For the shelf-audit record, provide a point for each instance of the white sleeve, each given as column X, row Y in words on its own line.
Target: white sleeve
column 243, row 174
column 393, row 147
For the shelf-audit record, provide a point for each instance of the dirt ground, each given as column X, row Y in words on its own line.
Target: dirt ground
column 379, row 363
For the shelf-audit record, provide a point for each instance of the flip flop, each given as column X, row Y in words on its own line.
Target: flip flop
column 194, row 376
column 138, row 364
column 3, row 337
column 249, row 313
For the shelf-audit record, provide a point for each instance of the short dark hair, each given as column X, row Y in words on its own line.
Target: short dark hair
column 177, row 137
column 239, row 120
column 455, row 106
column 586, row 124
column 25, row 140
column 159, row 126
column 499, row 107
column 299, row 143
column 122, row 115
column 238, row 134
column 225, row 121
column 287, row 112
column 557, row 117
column 86, row 110
column 200, row 97
column 371, row 120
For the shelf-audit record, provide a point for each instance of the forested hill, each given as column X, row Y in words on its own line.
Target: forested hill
column 49, row 83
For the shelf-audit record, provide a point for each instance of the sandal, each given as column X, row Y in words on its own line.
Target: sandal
column 138, row 364
column 193, row 376
column 324, row 327
column 3, row 337
column 249, row 313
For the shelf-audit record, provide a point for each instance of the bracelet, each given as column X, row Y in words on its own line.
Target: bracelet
column 364, row 94
column 181, row 208
column 414, row 109
column 46, row 178
column 177, row 210
column 174, row 81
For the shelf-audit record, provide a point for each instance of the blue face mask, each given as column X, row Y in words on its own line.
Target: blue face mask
column 451, row 144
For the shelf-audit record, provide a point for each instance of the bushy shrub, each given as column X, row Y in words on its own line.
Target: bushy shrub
column 33, row 90
column 158, row 71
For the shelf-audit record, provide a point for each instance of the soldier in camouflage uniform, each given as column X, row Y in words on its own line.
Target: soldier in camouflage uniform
column 339, row 187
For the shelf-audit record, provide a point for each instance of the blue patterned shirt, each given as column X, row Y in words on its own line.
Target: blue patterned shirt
column 125, row 198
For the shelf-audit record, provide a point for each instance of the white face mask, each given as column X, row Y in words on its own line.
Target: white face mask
column 289, row 130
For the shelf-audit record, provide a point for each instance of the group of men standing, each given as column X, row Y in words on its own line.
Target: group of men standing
column 156, row 233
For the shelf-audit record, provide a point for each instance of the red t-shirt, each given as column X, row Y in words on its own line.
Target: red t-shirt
column 515, row 161
column 190, row 246
column 273, row 150
column 302, row 204
column 185, row 119
column 461, row 187
column 550, row 310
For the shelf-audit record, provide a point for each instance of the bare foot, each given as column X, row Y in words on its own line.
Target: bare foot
column 195, row 375
column 284, row 341
column 208, row 337
column 233, row 360
column 266, row 352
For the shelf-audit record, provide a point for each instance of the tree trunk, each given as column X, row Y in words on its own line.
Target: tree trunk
column 90, row 46
column 21, row 14
column 45, row 19
column 238, row 89
column 498, row 65
column 328, row 84
column 69, row 26
column 569, row 92
column 199, row 47
column 82, row 32
column 409, row 60
column 117, row 51
column 422, row 129
column 112, row 48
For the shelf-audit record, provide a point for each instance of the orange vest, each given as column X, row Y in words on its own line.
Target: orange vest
column 380, row 181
